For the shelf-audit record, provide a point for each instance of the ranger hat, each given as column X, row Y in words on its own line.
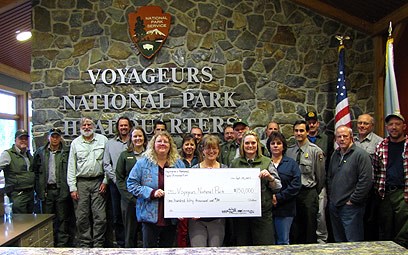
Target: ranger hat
column 311, row 116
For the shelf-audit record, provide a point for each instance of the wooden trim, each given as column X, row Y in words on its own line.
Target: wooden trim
column 340, row 15
column 398, row 31
column 11, row 91
column 9, row 116
column 17, row 74
column 379, row 76
column 398, row 16
column 22, row 111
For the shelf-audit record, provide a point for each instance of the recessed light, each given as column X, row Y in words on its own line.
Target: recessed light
column 23, row 36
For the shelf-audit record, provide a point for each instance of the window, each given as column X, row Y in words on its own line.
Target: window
column 13, row 115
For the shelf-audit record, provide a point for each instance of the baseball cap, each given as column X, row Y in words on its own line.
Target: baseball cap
column 311, row 116
column 239, row 121
column 395, row 114
column 55, row 131
column 20, row 133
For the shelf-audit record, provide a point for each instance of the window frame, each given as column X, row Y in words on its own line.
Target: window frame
column 21, row 115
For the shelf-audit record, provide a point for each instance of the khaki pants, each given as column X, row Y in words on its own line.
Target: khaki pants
column 90, row 213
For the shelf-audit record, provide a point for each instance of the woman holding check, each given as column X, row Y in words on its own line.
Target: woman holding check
column 208, row 231
column 146, row 182
column 257, row 230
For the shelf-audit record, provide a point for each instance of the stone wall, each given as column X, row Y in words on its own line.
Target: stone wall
column 280, row 59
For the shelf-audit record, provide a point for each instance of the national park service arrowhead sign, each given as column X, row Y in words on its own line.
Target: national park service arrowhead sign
column 149, row 27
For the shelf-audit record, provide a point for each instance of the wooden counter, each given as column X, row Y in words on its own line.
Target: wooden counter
column 27, row 230
column 359, row 248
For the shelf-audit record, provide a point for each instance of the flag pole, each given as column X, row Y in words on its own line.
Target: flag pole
column 390, row 29
column 342, row 113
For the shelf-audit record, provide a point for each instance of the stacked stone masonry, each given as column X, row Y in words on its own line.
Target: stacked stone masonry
column 278, row 58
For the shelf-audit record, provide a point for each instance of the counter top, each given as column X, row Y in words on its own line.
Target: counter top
column 331, row 248
column 21, row 223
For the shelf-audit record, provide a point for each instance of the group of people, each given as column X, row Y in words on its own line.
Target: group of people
column 310, row 192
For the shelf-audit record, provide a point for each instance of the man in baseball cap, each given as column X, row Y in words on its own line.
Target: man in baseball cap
column 55, row 131
column 16, row 164
column 396, row 115
column 323, row 141
column 50, row 168
column 239, row 122
column 20, row 133
column 390, row 164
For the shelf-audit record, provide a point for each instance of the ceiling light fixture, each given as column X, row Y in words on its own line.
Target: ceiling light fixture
column 23, row 35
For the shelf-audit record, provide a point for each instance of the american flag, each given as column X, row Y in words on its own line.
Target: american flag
column 342, row 106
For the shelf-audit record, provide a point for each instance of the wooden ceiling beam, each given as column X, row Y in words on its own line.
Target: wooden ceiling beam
column 337, row 14
column 398, row 16
column 17, row 74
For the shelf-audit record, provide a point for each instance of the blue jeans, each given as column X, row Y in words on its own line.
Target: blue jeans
column 282, row 228
column 347, row 222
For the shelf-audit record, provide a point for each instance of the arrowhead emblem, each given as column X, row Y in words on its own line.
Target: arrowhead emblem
column 149, row 27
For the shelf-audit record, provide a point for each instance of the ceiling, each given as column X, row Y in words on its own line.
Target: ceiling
column 369, row 16
column 14, row 16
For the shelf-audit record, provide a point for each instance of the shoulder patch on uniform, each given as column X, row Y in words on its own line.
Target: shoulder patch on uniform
column 321, row 156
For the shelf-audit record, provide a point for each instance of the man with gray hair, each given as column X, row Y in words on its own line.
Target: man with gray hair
column 349, row 181
column 366, row 138
column 87, row 184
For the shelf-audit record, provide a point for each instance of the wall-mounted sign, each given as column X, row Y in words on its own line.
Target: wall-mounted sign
column 149, row 27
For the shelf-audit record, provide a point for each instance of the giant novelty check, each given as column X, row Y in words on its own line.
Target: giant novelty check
column 217, row 192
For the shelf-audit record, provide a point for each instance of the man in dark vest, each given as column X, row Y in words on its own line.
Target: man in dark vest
column 50, row 168
column 16, row 164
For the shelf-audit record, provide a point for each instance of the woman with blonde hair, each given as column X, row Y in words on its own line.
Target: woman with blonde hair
column 146, row 182
column 257, row 230
column 208, row 231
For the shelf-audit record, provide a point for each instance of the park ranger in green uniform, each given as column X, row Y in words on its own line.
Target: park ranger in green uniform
column 50, row 168
column 16, row 164
column 312, row 167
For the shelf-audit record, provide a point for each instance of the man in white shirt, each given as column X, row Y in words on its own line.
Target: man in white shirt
column 87, row 184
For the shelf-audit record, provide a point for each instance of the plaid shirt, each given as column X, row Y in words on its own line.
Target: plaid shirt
column 380, row 160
